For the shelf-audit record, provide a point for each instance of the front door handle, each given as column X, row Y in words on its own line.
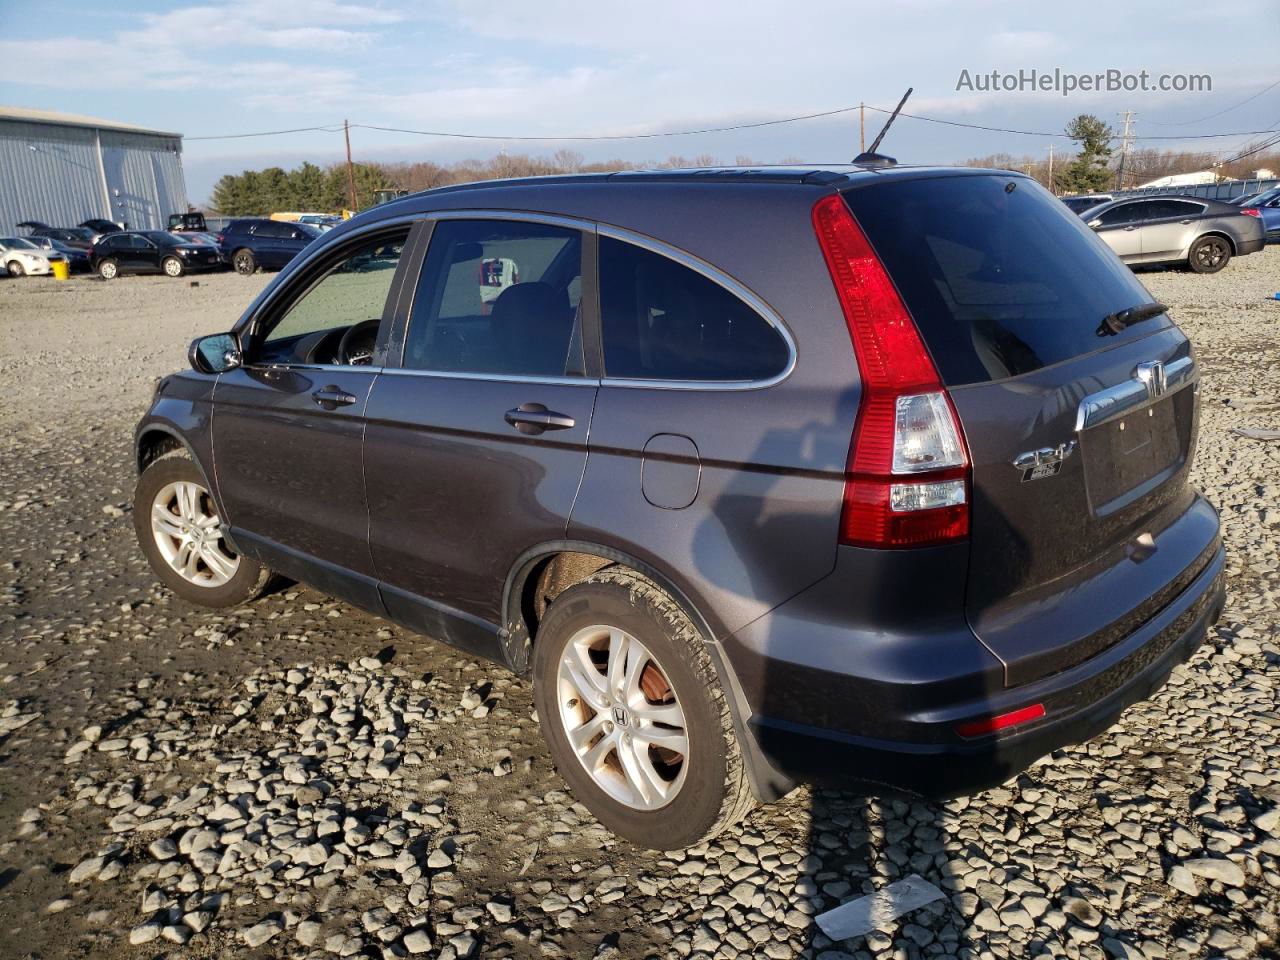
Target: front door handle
column 331, row 397
column 1131, row 228
column 534, row 418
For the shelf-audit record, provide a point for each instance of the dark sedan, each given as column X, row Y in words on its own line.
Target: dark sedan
column 151, row 251
column 77, row 257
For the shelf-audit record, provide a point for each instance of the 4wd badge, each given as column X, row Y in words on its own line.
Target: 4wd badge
column 1045, row 462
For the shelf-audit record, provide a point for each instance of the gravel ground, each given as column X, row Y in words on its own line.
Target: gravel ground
column 299, row 779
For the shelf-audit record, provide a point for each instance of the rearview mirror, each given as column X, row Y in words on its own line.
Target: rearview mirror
column 216, row 353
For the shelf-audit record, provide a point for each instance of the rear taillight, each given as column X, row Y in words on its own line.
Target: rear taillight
column 220, row 238
column 907, row 479
column 1251, row 212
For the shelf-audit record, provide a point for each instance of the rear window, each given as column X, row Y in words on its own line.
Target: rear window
column 1001, row 278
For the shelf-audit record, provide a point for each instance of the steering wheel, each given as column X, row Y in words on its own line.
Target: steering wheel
column 356, row 345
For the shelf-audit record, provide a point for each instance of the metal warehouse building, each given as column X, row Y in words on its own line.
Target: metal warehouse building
column 62, row 169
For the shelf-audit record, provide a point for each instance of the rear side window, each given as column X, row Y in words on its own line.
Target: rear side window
column 498, row 297
column 999, row 276
column 1167, row 209
column 660, row 320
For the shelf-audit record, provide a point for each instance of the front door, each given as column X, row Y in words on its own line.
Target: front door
column 476, row 440
column 288, row 426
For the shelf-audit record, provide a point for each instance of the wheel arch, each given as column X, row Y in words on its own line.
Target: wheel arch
column 519, row 633
column 155, row 438
column 1215, row 233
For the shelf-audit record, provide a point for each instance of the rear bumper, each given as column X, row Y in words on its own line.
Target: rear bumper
column 1079, row 703
column 1251, row 246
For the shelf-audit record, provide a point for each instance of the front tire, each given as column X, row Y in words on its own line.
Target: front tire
column 1209, row 255
column 16, row 269
column 181, row 535
column 172, row 267
column 633, row 713
column 244, row 262
column 108, row 270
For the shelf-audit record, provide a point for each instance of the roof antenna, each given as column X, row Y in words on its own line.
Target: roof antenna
column 870, row 158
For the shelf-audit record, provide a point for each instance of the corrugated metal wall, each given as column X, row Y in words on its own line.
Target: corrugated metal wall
column 53, row 173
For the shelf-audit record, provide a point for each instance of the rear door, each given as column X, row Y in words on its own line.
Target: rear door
column 477, row 434
column 1168, row 227
column 1081, row 438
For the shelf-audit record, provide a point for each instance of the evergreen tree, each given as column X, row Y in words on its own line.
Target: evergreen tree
column 1088, row 172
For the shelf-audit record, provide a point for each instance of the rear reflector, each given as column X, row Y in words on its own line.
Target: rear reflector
column 1251, row 212
column 979, row 728
column 907, row 477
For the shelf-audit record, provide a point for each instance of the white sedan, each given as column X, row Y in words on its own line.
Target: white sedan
column 22, row 257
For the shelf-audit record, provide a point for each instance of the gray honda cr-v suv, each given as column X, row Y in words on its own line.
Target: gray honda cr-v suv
column 873, row 475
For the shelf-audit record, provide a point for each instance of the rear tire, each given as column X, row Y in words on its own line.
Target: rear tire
column 1209, row 255
column 108, row 270
column 244, row 262
column 172, row 267
column 178, row 529
column 656, row 795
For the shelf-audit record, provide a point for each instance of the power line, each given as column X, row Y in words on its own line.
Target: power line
column 621, row 136
column 1182, row 123
column 1044, row 133
column 338, row 127
column 331, row 128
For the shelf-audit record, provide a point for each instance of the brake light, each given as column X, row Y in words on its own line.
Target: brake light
column 980, row 728
column 1251, row 212
column 907, row 478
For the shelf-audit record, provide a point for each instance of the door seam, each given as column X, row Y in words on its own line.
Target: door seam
column 586, row 444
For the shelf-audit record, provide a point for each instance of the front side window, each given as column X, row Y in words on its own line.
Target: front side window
column 660, row 320
column 351, row 292
column 1125, row 213
column 497, row 297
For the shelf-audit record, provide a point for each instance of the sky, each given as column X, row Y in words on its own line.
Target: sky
column 559, row 68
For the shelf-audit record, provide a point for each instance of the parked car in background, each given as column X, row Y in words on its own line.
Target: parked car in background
column 762, row 476
column 81, row 237
column 256, row 242
column 1082, row 203
column 1203, row 234
column 1267, row 204
column 21, row 257
column 150, row 251
column 321, row 221
column 1243, row 200
column 102, row 227
column 190, row 222
column 77, row 257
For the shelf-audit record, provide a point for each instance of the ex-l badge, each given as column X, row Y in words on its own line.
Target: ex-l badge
column 1045, row 462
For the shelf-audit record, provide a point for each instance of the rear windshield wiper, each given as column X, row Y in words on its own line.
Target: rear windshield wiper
column 1113, row 323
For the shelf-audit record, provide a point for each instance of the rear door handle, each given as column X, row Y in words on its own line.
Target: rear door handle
column 332, row 397
column 534, row 418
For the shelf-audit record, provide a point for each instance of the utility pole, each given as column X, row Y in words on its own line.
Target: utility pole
column 1051, row 168
column 351, row 174
column 1126, row 138
column 862, row 128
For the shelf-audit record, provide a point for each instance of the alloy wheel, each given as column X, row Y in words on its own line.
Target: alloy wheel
column 188, row 535
column 1210, row 253
column 172, row 267
column 622, row 718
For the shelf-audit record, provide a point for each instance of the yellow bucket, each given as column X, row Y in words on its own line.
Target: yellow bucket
column 61, row 270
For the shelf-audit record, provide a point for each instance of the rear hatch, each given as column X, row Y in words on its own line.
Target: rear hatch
column 1080, row 432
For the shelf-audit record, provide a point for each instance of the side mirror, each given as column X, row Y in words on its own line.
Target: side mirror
column 1095, row 224
column 216, row 353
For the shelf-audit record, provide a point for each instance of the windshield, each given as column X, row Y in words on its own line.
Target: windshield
column 1000, row 277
